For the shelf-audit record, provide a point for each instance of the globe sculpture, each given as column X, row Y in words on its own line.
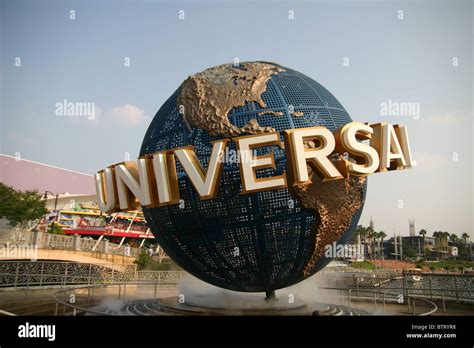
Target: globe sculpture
column 256, row 242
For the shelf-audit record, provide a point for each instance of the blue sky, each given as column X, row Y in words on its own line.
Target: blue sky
column 403, row 60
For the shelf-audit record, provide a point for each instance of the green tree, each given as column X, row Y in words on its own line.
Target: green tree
column 21, row 207
column 437, row 235
column 441, row 241
column 409, row 251
column 446, row 236
column 453, row 238
column 56, row 229
column 423, row 233
column 146, row 262
column 375, row 236
column 382, row 236
column 465, row 237
column 359, row 231
column 370, row 236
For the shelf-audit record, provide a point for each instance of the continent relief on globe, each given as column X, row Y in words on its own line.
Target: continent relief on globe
column 208, row 97
column 333, row 204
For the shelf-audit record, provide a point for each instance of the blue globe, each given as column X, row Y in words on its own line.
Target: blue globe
column 254, row 242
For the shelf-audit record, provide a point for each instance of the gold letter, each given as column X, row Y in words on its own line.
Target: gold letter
column 297, row 155
column 402, row 134
column 249, row 163
column 130, row 179
column 385, row 140
column 164, row 166
column 367, row 158
column 106, row 190
column 205, row 183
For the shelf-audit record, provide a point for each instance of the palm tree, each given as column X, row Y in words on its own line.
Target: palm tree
column 453, row 238
column 437, row 235
column 359, row 231
column 370, row 236
column 382, row 235
column 465, row 237
column 423, row 233
column 445, row 236
column 376, row 243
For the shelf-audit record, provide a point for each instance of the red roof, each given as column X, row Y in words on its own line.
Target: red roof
column 28, row 175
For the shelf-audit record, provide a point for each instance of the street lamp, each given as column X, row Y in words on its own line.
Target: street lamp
column 45, row 196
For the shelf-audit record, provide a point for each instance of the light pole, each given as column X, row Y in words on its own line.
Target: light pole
column 45, row 196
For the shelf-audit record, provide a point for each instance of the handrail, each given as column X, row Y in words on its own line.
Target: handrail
column 414, row 298
column 353, row 294
column 57, row 294
column 44, row 240
column 16, row 274
column 7, row 313
column 379, row 289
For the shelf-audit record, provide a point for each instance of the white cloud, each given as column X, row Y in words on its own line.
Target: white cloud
column 127, row 114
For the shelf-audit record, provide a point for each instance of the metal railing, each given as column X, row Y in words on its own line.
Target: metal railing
column 43, row 240
column 404, row 295
column 87, row 298
column 347, row 295
column 434, row 307
column 16, row 274
column 2, row 312
column 45, row 273
column 432, row 285
column 382, row 286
